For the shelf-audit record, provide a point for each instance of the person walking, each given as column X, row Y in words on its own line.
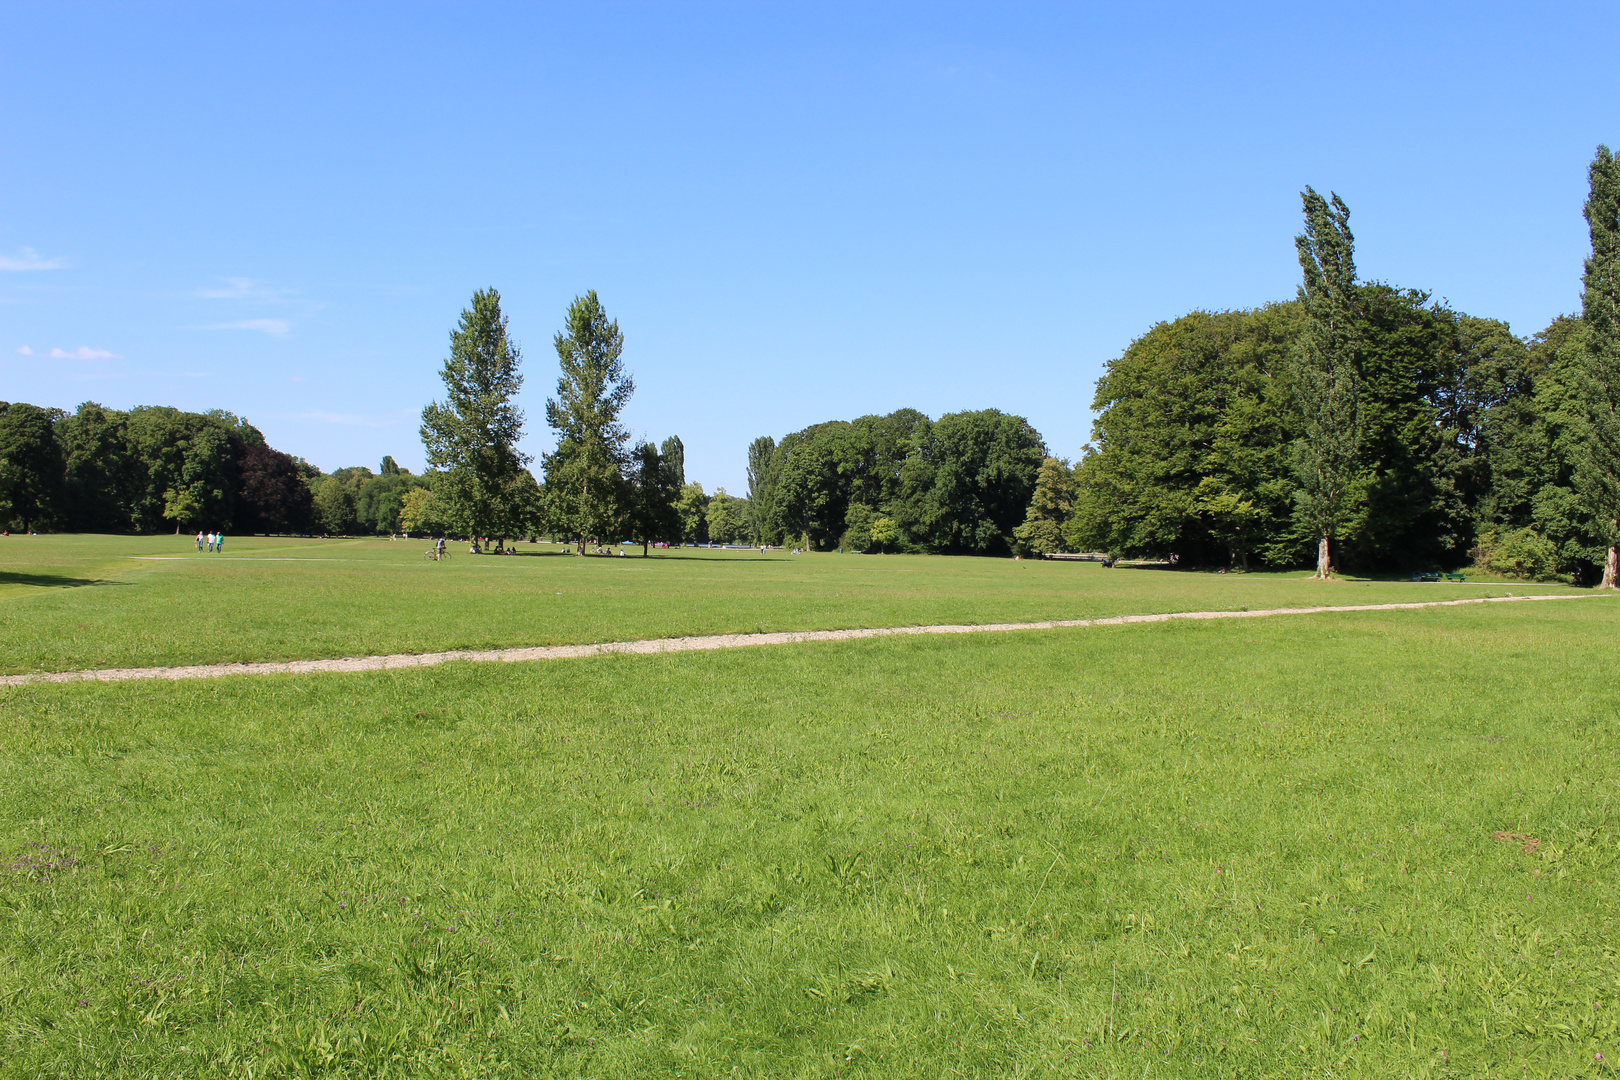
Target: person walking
column 219, row 543
column 199, row 541
column 210, row 540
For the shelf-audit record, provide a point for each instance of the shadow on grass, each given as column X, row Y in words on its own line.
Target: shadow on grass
column 51, row 581
column 638, row 557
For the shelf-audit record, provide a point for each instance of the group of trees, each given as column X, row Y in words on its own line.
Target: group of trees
column 1364, row 425
column 148, row 469
column 597, row 485
column 158, row 469
column 901, row 482
column 1359, row 424
column 354, row 500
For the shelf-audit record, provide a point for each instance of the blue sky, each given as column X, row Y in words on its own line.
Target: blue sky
column 797, row 212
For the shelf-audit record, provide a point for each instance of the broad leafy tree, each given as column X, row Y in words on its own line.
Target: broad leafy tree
column 336, row 506
column 692, row 508
column 584, row 475
column 101, row 476
column 654, row 515
column 273, row 497
column 30, row 465
column 967, row 483
column 1193, row 422
column 726, row 517
column 473, row 434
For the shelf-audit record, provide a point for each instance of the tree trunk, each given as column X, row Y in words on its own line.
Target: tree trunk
column 645, row 544
column 584, row 503
column 1322, row 566
column 1611, row 569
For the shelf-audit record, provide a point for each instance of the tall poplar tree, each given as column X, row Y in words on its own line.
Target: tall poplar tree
column 472, row 435
column 672, row 459
column 1326, row 383
column 1597, row 459
column 584, row 476
column 761, row 452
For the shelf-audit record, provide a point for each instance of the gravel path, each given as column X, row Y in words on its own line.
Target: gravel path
column 697, row 644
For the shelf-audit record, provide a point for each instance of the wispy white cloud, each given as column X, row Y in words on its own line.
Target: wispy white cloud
column 83, row 352
column 241, row 288
column 26, row 351
column 274, row 327
column 29, row 259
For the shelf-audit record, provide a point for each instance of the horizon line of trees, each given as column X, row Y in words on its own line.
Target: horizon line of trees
column 1359, row 425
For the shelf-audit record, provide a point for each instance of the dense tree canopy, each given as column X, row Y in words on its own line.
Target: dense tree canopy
column 961, row 484
column 30, row 464
column 585, row 474
column 472, row 435
column 1597, row 455
column 149, row 469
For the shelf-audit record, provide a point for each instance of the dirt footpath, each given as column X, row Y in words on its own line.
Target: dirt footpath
column 698, row 644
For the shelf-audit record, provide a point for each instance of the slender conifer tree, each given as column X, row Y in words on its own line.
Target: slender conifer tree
column 1597, row 467
column 1326, row 384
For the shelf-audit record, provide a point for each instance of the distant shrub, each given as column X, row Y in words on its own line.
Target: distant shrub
column 1520, row 553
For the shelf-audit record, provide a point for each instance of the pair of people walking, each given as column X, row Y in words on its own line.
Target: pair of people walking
column 213, row 541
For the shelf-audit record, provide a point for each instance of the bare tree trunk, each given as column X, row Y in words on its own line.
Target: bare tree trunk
column 1611, row 569
column 644, row 545
column 585, row 497
column 1323, row 568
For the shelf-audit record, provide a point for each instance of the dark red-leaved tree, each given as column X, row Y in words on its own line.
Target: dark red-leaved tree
column 273, row 497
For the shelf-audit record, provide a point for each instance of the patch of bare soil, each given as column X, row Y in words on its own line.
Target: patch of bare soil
column 1529, row 844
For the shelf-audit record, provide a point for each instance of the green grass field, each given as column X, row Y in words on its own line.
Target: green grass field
column 1376, row 844
column 69, row 602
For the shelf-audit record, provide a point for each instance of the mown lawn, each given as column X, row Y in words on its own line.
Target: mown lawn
column 69, row 602
column 1374, row 845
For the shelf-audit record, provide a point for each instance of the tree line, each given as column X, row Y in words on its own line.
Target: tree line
column 901, row 482
column 147, row 469
column 1359, row 425
column 157, row 469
